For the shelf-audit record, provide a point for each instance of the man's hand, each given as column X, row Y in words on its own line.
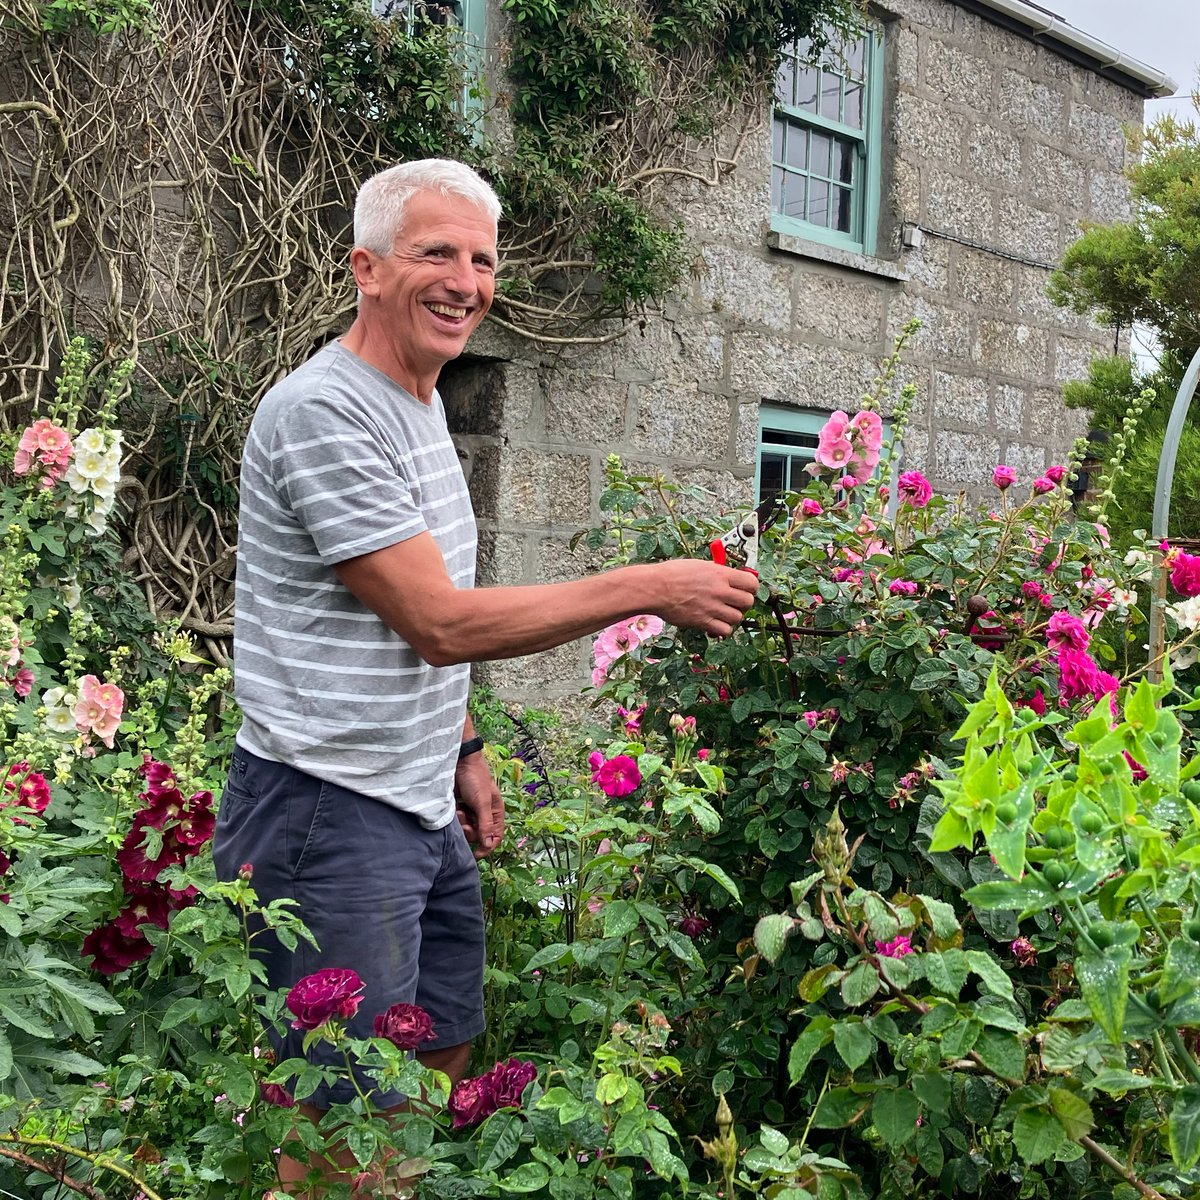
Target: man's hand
column 703, row 595
column 480, row 805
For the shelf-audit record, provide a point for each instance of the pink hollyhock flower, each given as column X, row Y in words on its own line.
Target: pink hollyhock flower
column 599, row 677
column 867, row 428
column 22, row 682
column 509, row 1080
column 1056, row 474
column 1064, row 630
column 1024, row 951
column 1185, row 574
column 107, row 695
column 471, row 1100
column 898, row 947
column 113, row 951
column 276, row 1094
column 406, row 1026
column 645, row 627
column 811, row 508
column 1077, row 674
column 319, row 998
column 155, row 773
column 835, row 429
column 903, row 587
column 834, row 454
column 914, row 489
column 43, row 444
column 1003, row 477
column 1042, row 486
column 196, row 827
column 618, row 776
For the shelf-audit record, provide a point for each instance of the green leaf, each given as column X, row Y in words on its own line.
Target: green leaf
column 1037, row 1135
column 951, row 832
column 941, row 916
column 1183, row 1127
column 894, row 1114
column 1002, row 1053
column 853, row 1042
column 771, row 935
column 994, row 977
column 815, row 1037
column 1104, row 983
column 6, row 1057
column 932, row 1089
column 620, row 918
column 528, row 1177
column 1117, row 1083
column 362, row 1143
column 840, row 1107
column 554, row 953
column 860, row 985
column 946, row 971
column 1181, row 971
column 1073, row 1113
column 499, row 1139
column 611, row 1087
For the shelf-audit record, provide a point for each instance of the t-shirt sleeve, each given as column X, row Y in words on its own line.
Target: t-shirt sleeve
column 342, row 482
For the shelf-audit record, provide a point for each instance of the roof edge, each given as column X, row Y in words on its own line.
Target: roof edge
column 1045, row 27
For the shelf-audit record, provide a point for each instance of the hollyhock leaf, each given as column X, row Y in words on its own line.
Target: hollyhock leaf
column 1104, row 983
column 894, row 1114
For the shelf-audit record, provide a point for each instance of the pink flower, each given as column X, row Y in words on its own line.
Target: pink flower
column 834, row 454
column 867, row 427
column 1056, row 474
column 143, row 906
column 595, row 762
column 811, row 508
column 898, row 947
column 599, row 677
column 1106, row 684
column 618, row 776
column 276, row 1094
column 632, row 718
column 1078, row 674
column 903, row 587
column 914, row 489
column 318, row 998
column 1042, row 486
column 703, row 753
column 812, row 717
column 1003, row 477
column 1139, row 772
column 848, row 482
column 1037, row 702
column 645, row 626
column 1024, row 951
column 406, row 1026
column 46, row 445
column 1185, row 573
column 835, row 428
column 29, row 788
column 1064, row 630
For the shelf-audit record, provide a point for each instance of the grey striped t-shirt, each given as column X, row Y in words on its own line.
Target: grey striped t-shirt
column 340, row 460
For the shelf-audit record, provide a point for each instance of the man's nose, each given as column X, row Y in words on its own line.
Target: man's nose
column 462, row 278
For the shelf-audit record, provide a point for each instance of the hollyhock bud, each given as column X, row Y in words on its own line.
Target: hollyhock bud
column 1003, row 477
column 246, row 872
column 406, row 1026
column 318, row 998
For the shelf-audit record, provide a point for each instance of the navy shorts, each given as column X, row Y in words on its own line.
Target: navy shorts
column 398, row 903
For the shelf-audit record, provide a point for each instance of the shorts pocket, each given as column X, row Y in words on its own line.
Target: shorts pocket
column 306, row 809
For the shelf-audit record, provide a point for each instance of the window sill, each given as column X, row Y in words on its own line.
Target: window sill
column 791, row 243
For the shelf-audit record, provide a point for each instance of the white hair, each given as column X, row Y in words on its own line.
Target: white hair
column 379, row 208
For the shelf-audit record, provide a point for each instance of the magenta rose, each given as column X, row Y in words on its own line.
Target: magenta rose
column 1077, row 674
column 618, row 776
column 914, row 489
column 471, row 1100
column 328, row 993
column 509, row 1079
column 903, row 587
column 1056, row 474
column 1066, row 631
column 1185, row 574
column 1003, row 477
column 1042, row 486
column 406, row 1026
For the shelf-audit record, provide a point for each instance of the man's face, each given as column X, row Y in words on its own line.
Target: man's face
column 438, row 282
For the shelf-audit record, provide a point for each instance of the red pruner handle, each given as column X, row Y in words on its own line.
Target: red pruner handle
column 717, row 549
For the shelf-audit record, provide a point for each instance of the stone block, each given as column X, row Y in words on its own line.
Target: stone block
column 842, row 308
column 678, row 421
column 745, row 436
column 737, row 210
column 1008, row 408
column 960, row 400
column 1028, row 462
column 1099, row 135
column 906, row 48
column 584, row 408
column 994, row 154
column 646, row 348
column 556, row 562
column 1025, row 104
column 930, row 14
column 1027, row 231
column 1011, row 348
column 958, row 204
column 1054, row 179
column 1073, row 354
column 744, row 288
column 502, row 560
column 982, row 278
column 956, row 76
column 537, row 678
column 930, row 265
column 769, row 367
column 945, row 332
column 699, row 350
column 907, row 191
column 926, row 129
column 1000, row 45
column 540, row 488
column 914, row 453
column 1032, row 302
column 489, row 398
column 1108, row 197
column 727, row 492
column 964, row 458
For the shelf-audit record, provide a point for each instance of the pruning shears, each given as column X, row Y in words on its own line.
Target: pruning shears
column 742, row 540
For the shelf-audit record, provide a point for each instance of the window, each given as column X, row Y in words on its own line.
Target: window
column 787, row 438
column 467, row 16
column 825, row 142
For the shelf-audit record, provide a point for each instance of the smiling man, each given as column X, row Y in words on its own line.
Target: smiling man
column 357, row 617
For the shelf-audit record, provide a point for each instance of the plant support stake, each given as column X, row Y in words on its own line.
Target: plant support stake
column 1162, row 510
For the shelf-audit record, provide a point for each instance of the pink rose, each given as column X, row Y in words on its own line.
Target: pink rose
column 406, row 1026
column 1042, row 486
column 1064, row 630
column 1056, row 474
column 1185, row 573
column 1077, row 674
column 471, row 1100
column 1003, row 477
column 318, row 998
column 811, row 508
column 914, row 489
column 898, row 947
column 902, row 587
column 1037, row 702
column 848, row 482
column 618, row 776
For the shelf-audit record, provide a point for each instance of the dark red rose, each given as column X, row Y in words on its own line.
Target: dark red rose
column 471, row 1100
column 274, row 1093
column 509, row 1079
column 694, row 925
column 113, row 951
column 405, row 1026
column 144, row 906
column 318, row 998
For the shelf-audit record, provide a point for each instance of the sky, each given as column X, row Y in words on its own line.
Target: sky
column 1164, row 34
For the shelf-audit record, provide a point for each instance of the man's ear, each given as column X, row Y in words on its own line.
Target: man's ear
column 365, row 266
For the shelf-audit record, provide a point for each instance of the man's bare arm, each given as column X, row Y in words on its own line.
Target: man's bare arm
column 407, row 585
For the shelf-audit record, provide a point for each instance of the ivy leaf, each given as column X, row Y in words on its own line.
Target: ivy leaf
column 894, row 1115
column 1104, row 982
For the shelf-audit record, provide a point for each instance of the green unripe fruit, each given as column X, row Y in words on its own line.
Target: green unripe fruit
column 1191, row 790
column 1192, row 929
column 1055, row 874
column 1091, row 822
column 1152, row 998
column 1058, row 838
column 1101, row 936
column 1006, row 813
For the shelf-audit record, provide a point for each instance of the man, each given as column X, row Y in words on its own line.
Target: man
column 357, row 617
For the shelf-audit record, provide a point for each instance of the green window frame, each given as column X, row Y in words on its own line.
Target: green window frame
column 826, row 134
column 467, row 16
column 787, row 441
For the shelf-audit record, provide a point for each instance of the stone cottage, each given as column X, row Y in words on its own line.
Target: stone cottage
column 935, row 168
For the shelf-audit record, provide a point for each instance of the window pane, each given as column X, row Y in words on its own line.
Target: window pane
column 831, row 96
column 784, row 81
column 771, row 476
column 844, row 154
column 793, row 196
column 778, row 132
column 818, row 155
column 844, row 209
column 818, row 202
column 852, row 114
column 806, row 88
column 796, row 148
column 856, row 58
column 777, row 182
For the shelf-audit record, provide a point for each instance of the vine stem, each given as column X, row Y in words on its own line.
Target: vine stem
column 97, row 1160
column 1114, row 1164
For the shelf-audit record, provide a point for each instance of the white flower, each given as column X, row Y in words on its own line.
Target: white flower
column 90, row 464
column 10, row 641
column 74, row 481
column 1124, row 598
column 96, row 521
column 1184, row 657
column 72, row 594
column 1186, row 614
column 91, row 441
column 60, row 710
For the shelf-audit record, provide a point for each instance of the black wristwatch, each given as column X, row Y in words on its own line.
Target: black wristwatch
column 470, row 746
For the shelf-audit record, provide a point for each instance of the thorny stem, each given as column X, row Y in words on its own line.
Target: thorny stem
column 1093, row 1147
column 97, row 1160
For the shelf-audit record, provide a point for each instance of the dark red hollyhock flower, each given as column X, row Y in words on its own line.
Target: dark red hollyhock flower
column 181, row 897
column 157, row 774
column 274, row 1093
column 132, row 858
column 143, row 906
column 113, row 951
column 328, row 993
column 406, row 1026
column 509, row 1080
column 162, row 805
column 5, row 863
column 471, row 1100
column 32, row 790
column 197, row 824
